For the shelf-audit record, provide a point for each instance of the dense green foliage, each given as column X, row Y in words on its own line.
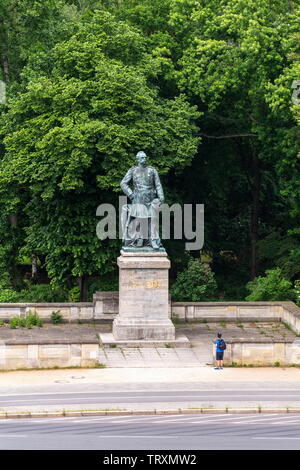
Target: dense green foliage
column 297, row 292
column 35, row 293
column 204, row 87
column 56, row 317
column 31, row 319
column 270, row 287
column 196, row 283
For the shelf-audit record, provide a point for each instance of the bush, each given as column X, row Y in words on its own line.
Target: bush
column 195, row 284
column 9, row 296
column 74, row 294
column 34, row 293
column 270, row 288
column 297, row 292
column 24, row 323
column 14, row 322
column 43, row 293
column 31, row 319
column 109, row 282
column 56, row 317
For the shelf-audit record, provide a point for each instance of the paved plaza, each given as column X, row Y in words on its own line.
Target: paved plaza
column 198, row 353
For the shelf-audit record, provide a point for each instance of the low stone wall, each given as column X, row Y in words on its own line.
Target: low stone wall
column 238, row 311
column 262, row 353
column 30, row 356
column 105, row 306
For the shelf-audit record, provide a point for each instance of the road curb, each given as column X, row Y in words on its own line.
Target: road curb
column 71, row 413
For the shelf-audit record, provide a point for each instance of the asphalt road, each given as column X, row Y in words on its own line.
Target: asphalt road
column 184, row 398
column 172, row 432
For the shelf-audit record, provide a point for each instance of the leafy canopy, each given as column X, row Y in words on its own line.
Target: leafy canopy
column 72, row 134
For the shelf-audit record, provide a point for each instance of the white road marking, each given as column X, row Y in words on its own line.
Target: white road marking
column 281, row 438
column 112, row 419
column 69, row 419
column 137, row 436
column 121, row 422
column 259, row 392
column 201, row 420
column 50, row 420
column 9, row 420
column 183, row 419
column 285, row 420
column 292, row 416
column 227, row 418
column 108, row 396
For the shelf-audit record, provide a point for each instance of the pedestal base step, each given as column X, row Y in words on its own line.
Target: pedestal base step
column 108, row 340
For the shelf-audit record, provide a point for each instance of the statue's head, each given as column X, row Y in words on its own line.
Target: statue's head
column 141, row 157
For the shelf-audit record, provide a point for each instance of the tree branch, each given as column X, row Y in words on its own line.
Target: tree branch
column 230, row 136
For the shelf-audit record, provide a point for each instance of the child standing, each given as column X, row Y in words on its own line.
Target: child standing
column 220, row 343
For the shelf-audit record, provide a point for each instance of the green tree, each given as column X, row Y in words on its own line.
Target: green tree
column 195, row 284
column 29, row 27
column 270, row 287
column 230, row 64
column 236, row 61
column 73, row 132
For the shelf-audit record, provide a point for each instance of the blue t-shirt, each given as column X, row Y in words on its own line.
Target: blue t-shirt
column 217, row 342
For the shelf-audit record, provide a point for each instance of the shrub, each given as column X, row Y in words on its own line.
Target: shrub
column 9, row 296
column 34, row 293
column 14, row 322
column 297, row 292
column 56, row 317
column 196, row 283
column 109, row 282
column 31, row 319
column 74, row 294
column 43, row 293
column 270, row 288
column 23, row 323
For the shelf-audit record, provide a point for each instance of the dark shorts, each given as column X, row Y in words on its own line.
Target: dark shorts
column 219, row 356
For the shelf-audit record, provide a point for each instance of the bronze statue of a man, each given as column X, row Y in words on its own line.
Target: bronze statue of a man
column 140, row 219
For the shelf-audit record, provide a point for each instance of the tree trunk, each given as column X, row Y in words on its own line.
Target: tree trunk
column 5, row 66
column 34, row 271
column 13, row 219
column 254, row 213
column 83, row 288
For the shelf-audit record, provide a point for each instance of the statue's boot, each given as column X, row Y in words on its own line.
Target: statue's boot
column 140, row 242
column 155, row 245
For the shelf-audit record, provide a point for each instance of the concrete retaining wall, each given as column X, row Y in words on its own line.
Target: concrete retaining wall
column 30, row 356
column 105, row 306
column 287, row 312
column 262, row 353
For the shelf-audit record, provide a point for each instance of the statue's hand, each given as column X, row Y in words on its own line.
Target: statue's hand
column 156, row 201
column 160, row 201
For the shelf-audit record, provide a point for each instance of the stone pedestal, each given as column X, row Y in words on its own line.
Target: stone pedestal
column 143, row 297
